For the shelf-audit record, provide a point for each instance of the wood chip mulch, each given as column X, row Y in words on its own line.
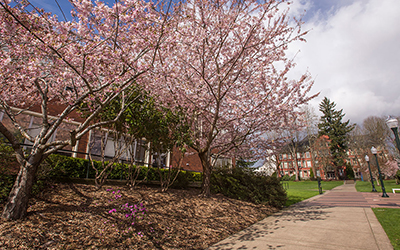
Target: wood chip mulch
column 77, row 216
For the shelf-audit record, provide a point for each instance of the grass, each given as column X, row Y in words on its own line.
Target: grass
column 365, row 186
column 389, row 219
column 302, row 190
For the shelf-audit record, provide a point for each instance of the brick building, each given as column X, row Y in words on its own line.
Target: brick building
column 31, row 121
column 288, row 158
column 317, row 158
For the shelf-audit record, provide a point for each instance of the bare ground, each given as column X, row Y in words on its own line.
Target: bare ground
column 77, row 216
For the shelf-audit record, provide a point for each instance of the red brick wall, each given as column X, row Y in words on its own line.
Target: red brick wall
column 191, row 160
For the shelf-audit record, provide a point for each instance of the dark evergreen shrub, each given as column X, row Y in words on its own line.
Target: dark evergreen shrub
column 288, row 178
column 244, row 184
column 312, row 176
column 349, row 172
column 7, row 180
column 60, row 166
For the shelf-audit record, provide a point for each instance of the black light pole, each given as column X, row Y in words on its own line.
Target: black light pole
column 393, row 124
column 370, row 174
column 375, row 152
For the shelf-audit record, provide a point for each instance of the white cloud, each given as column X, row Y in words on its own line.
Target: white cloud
column 353, row 53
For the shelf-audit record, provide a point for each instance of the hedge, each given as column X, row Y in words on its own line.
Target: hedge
column 69, row 167
column 244, row 184
column 238, row 183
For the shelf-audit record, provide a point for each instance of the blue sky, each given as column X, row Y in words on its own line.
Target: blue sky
column 352, row 52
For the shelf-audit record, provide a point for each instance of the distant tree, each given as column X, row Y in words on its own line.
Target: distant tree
column 311, row 123
column 358, row 148
column 376, row 132
column 373, row 132
column 323, row 159
column 294, row 139
column 331, row 124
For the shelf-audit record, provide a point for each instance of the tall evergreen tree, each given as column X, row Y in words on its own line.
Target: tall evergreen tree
column 331, row 124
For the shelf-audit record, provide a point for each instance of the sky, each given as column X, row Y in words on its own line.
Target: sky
column 352, row 53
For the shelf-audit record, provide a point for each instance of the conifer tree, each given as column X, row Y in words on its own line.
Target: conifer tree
column 331, row 124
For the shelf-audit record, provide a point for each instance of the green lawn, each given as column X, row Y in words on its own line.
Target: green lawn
column 365, row 186
column 390, row 221
column 302, row 190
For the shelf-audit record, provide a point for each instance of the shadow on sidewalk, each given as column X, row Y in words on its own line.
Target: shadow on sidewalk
column 296, row 213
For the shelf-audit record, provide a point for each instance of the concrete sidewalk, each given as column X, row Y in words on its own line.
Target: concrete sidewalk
column 346, row 221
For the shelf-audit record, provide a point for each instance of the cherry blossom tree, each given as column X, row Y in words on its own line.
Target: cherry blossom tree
column 90, row 60
column 228, row 69
column 390, row 168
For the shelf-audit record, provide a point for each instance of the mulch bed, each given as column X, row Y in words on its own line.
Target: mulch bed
column 77, row 216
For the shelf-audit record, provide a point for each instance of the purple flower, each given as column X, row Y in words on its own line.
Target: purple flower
column 112, row 210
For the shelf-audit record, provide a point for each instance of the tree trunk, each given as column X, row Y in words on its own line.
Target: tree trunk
column 296, row 169
column 18, row 199
column 205, row 186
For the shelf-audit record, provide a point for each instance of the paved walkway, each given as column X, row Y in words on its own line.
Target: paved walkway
column 339, row 219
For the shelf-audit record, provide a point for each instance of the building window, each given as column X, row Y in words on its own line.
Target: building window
column 307, row 154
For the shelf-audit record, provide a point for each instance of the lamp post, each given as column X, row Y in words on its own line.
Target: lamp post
column 374, row 152
column 393, row 124
column 370, row 173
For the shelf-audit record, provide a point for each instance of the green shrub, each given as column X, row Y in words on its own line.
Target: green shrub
column 288, row 178
column 60, row 166
column 7, row 180
column 349, row 172
column 6, row 183
column 7, row 160
column 312, row 177
column 397, row 177
column 244, row 184
column 182, row 180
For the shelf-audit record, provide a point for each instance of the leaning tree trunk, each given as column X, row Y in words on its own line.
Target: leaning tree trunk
column 205, row 186
column 18, row 199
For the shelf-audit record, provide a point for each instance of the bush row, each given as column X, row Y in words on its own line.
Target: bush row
column 244, row 184
column 61, row 166
column 238, row 183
